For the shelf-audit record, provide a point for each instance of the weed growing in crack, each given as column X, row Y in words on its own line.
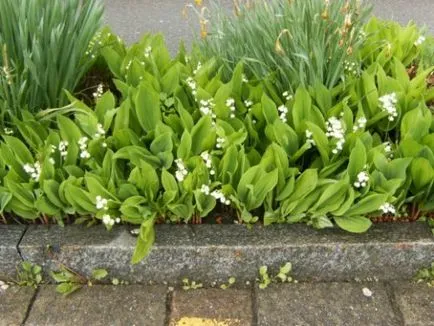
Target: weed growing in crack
column 282, row 276
column 29, row 274
column 70, row 281
column 426, row 275
column 193, row 285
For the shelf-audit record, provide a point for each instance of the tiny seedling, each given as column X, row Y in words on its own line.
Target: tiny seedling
column 426, row 275
column 190, row 286
column 282, row 276
column 264, row 279
column 231, row 281
column 29, row 274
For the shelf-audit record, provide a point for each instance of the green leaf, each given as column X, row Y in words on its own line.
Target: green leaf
column 304, row 184
column 357, row 160
column 269, row 109
column 145, row 240
column 68, row 288
column 99, row 274
column 168, row 181
column 422, row 173
column 368, row 204
column 184, row 148
column 354, row 224
column 147, row 105
column 202, row 136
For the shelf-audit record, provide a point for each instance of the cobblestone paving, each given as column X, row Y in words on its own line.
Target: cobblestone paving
column 280, row 304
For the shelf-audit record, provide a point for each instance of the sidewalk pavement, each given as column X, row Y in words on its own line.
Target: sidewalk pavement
column 374, row 303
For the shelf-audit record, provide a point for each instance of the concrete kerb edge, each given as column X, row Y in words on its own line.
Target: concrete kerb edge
column 213, row 253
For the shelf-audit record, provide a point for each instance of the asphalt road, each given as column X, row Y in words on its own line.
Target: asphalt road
column 132, row 18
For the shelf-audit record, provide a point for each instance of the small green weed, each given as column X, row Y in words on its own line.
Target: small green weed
column 70, row 281
column 193, row 285
column 231, row 281
column 282, row 276
column 426, row 275
column 29, row 274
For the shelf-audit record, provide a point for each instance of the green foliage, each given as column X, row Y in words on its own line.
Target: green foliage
column 176, row 142
column 231, row 281
column 284, row 275
column 193, row 285
column 44, row 50
column 387, row 40
column 296, row 42
column 29, row 274
column 426, row 275
column 69, row 281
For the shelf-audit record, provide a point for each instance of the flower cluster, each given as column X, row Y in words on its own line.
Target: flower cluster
column 309, row 138
column 351, row 68
column 205, row 189
column 388, row 208
column 360, row 124
column 193, row 86
column 244, row 79
column 100, row 132
column 82, row 142
column 91, row 50
column 101, row 203
column 287, row 95
column 34, row 170
column 283, row 110
column 63, row 148
column 8, row 131
column 420, row 40
column 110, row 221
column 336, row 130
column 208, row 162
column 181, row 172
column 230, row 103
column 248, row 104
column 218, row 195
column 220, row 142
column 362, row 180
column 206, row 107
column 388, row 103
column 99, row 91
column 148, row 51
column 199, row 65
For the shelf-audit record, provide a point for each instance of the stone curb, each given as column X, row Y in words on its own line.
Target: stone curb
column 10, row 236
column 209, row 253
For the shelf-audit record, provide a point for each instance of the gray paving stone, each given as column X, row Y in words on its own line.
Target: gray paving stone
column 132, row 18
column 211, row 253
column 416, row 302
column 324, row 304
column 231, row 307
column 100, row 305
column 14, row 303
column 10, row 235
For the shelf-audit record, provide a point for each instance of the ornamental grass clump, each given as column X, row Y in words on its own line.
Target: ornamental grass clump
column 43, row 51
column 299, row 42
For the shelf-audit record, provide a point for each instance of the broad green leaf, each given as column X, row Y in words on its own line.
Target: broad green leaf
column 145, row 240
column 147, row 105
column 366, row 205
column 354, row 224
column 357, row 160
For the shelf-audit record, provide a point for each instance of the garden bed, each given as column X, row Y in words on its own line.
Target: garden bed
column 263, row 122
